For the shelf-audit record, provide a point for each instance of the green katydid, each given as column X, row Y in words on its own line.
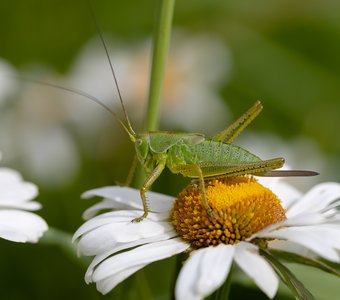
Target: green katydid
column 190, row 154
column 193, row 156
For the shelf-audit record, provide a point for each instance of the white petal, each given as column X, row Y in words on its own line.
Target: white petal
column 290, row 247
column 284, row 191
column 105, row 204
column 142, row 255
column 131, row 197
column 329, row 233
column 27, row 205
column 17, row 191
column 304, row 219
column 204, row 271
column 9, row 175
column 122, row 216
column 332, row 207
column 310, row 237
column 123, row 246
column 106, row 285
column 21, row 226
column 316, row 199
column 297, row 221
column 107, row 236
column 301, row 220
column 103, row 219
column 269, row 182
column 257, row 268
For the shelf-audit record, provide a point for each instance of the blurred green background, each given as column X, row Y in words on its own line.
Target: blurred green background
column 285, row 53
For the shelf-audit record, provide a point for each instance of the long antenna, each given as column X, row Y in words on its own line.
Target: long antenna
column 111, row 65
column 80, row 93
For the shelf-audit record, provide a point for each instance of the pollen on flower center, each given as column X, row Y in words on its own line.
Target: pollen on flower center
column 241, row 204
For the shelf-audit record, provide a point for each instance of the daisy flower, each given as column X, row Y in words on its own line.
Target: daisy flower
column 253, row 218
column 185, row 90
column 17, row 223
column 7, row 85
column 37, row 119
column 47, row 118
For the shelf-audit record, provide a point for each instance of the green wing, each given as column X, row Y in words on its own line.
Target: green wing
column 161, row 142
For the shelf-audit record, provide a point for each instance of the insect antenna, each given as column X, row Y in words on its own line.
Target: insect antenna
column 131, row 131
column 80, row 93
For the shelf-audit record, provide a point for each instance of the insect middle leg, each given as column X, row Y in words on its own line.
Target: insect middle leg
column 132, row 171
column 217, row 169
column 204, row 195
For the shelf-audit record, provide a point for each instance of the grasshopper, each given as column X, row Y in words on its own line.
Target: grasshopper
column 200, row 159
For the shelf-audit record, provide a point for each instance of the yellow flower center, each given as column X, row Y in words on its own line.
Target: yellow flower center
column 241, row 204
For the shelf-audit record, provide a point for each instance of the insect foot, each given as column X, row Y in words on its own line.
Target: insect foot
column 139, row 219
column 212, row 214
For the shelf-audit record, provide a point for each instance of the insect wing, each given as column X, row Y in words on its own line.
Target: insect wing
column 161, row 142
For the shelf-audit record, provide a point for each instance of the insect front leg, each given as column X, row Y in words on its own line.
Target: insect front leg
column 147, row 185
column 229, row 134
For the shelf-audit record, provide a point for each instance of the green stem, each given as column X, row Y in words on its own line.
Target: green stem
column 161, row 40
column 160, row 50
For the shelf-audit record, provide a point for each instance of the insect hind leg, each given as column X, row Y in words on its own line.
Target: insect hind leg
column 206, row 205
column 225, row 169
column 229, row 134
column 213, row 170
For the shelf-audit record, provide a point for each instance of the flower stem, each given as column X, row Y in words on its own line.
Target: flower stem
column 160, row 50
column 161, row 38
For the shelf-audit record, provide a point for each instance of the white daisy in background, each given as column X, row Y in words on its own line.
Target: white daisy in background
column 35, row 114
column 46, row 120
column 17, row 223
column 7, row 84
column 300, row 151
column 187, row 91
column 46, row 150
column 251, row 221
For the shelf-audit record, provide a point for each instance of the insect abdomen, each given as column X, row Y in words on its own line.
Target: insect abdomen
column 219, row 152
column 207, row 151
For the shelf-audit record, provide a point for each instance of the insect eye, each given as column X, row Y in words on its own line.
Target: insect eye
column 139, row 142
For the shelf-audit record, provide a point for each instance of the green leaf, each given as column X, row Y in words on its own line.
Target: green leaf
column 296, row 258
column 296, row 286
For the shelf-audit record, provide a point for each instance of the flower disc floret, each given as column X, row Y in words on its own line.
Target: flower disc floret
column 242, row 206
